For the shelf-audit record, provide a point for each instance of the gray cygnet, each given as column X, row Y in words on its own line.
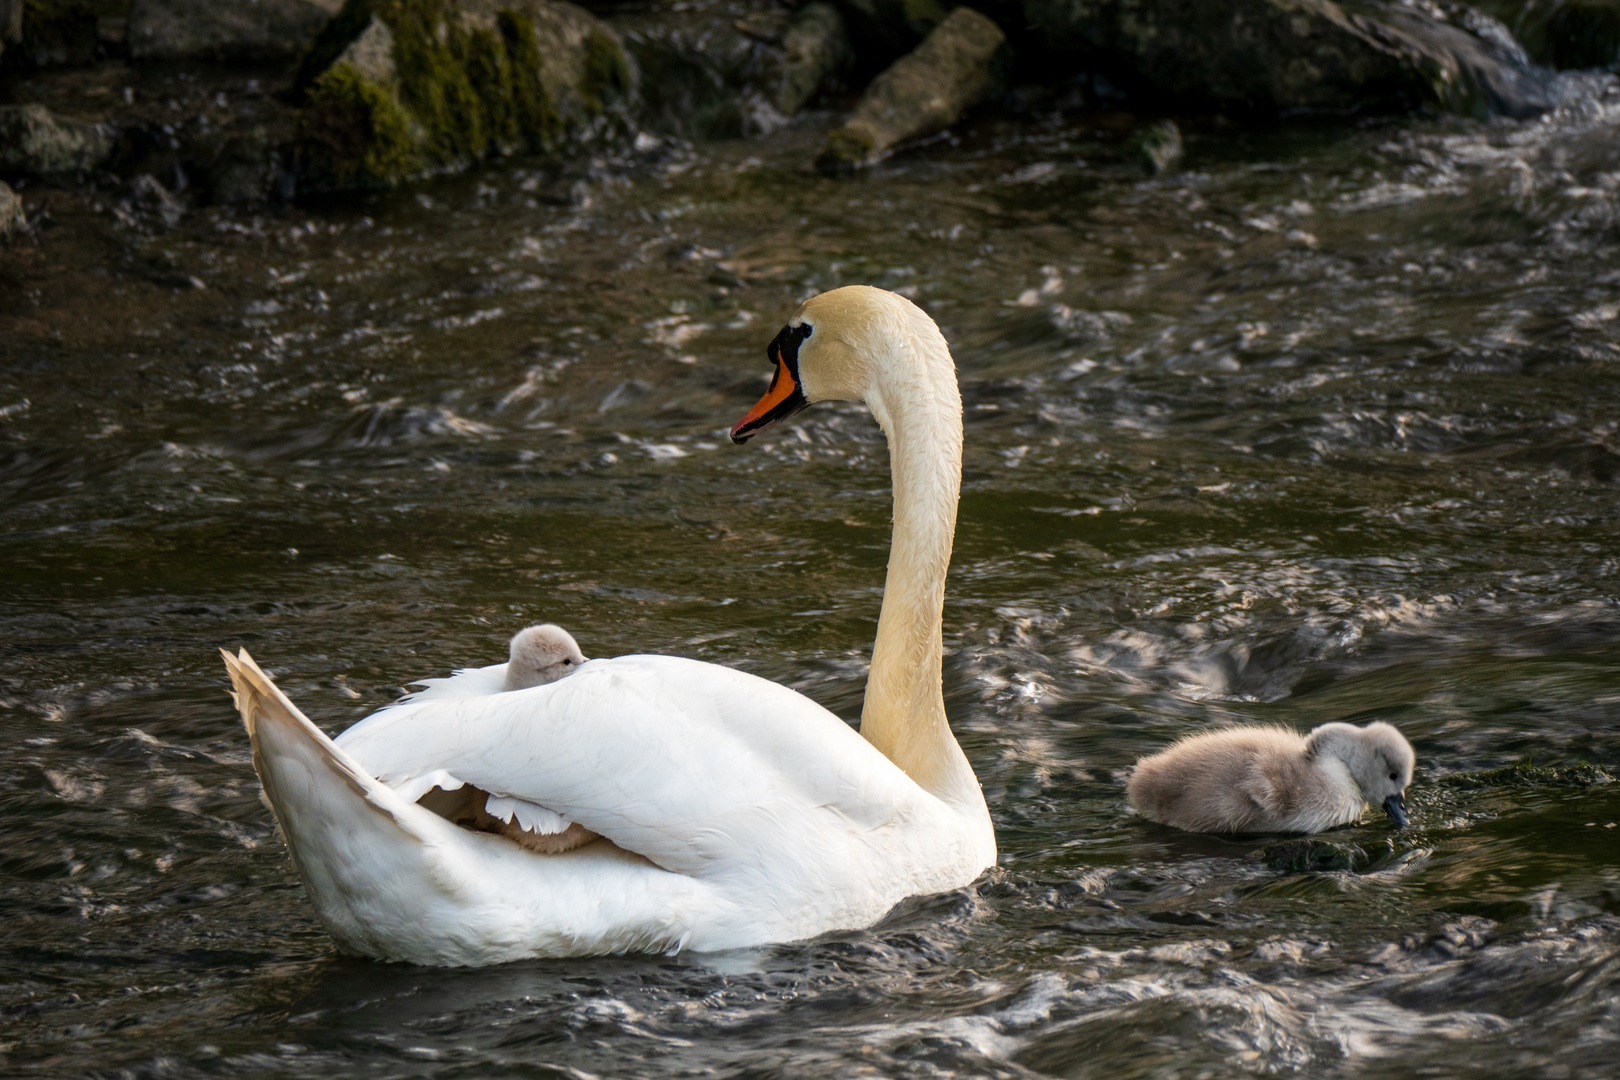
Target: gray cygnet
column 1271, row 779
column 539, row 655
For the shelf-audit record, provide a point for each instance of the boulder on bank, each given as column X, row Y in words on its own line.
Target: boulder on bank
column 260, row 29
column 921, row 93
column 1286, row 55
column 36, row 142
column 725, row 69
column 396, row 88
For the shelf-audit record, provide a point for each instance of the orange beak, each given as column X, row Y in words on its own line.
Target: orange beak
column 781, row 401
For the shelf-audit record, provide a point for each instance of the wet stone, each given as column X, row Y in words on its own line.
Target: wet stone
column 1159, row 147
column 923, row 92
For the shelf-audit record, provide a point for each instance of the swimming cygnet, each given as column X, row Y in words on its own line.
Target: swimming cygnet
column 539, row 655
column 1269, row 779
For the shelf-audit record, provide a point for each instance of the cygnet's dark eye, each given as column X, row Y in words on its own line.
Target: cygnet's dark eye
column 566, row 660
column 1394, row 776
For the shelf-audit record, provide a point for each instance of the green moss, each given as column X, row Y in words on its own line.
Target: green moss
column 607, row 72
column 1524, row 774
column 354, row 132
column 534, row 112
column 847, row 147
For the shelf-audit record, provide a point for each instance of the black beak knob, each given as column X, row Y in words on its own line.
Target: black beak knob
column 1395, row 807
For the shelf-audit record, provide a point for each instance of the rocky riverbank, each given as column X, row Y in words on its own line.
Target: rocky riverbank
column 168, row 104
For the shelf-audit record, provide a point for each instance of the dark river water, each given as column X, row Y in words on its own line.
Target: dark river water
column 1321, row 426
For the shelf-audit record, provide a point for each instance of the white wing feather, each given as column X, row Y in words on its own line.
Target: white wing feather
column 702, row 769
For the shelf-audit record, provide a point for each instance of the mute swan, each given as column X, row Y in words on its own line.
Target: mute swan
column 539, row 655
column 734, row 812
column 1269, row 779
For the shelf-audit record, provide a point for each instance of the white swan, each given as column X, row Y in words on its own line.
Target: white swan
column 735, row 812
column 1271, row 779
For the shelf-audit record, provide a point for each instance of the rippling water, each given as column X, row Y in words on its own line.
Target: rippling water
column 1321, row 427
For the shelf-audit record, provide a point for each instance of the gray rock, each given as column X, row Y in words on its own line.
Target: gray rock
column 717, row 64
column 177, row 29
column 151, row 202
column 35, row 142
column 1563, row 33
column 13, row 218
column 815, row 45
column 921, row 93
column 1159, row 146
column 1282, row 55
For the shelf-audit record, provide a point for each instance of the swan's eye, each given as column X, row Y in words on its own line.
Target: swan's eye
column 1394, row 776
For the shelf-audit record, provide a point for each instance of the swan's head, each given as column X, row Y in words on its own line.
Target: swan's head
column 539, row 655
column 1379, row 758
column 837, row 347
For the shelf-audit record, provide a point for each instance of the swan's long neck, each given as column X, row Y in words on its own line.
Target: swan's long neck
column 916, row 401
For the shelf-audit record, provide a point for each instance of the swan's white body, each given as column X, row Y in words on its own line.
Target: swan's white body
column 736, row 812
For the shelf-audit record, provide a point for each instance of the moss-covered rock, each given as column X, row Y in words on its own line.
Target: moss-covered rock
column 1525, row 775
column 395, row 88
column 923, row 92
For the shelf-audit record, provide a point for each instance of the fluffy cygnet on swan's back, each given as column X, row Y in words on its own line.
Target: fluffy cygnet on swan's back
column 1270, row 779
column 539, row 655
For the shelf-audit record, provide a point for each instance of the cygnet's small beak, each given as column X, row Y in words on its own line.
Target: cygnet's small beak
column 781, row 401
column 1395, row 807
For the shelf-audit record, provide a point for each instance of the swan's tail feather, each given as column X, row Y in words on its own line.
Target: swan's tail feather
column 392, row 880
column 352, row 839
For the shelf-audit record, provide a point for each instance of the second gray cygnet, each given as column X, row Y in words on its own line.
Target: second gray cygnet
column 1271, row 779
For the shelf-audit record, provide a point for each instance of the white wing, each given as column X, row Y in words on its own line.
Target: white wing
column 702, row 769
